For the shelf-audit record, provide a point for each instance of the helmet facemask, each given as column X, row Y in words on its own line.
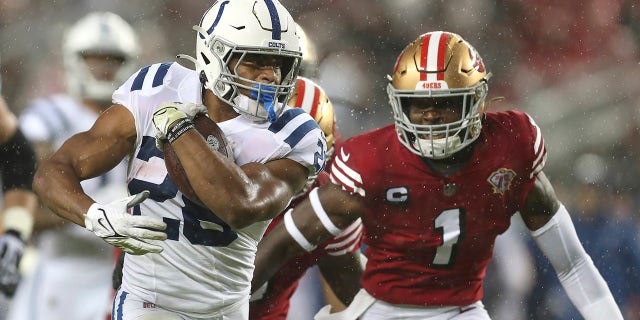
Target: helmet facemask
column 444, row 71
column 439, row 141
column 257, row 100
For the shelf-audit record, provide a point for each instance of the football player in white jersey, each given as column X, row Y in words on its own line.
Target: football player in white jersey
column 70, row 279
column 185, row 260
column 17, row 203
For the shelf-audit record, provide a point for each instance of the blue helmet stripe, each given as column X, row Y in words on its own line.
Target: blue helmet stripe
column 139, row 80
column 276, row 31
column 215, row 22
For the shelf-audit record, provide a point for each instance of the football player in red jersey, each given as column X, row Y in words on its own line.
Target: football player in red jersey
column 434, row 191
column 338, row 258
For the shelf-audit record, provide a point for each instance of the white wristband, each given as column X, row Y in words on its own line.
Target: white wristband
column 321, row 214
column 18, row 219
column 295, row 233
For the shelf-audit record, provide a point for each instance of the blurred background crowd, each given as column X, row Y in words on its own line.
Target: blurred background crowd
column 573, row 65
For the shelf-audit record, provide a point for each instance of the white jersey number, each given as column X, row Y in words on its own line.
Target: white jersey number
column 450, row 223
column 201, row 226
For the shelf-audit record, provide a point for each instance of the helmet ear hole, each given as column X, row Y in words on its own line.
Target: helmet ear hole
column 204, row 58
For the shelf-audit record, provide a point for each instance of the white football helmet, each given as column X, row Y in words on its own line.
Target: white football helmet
column 234, row 29
column 310, row 61
column 439, row 65
column 101, row 33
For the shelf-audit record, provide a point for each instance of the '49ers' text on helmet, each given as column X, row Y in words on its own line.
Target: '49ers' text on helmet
column 439, row 65
column 237, row 28
column 104, row 34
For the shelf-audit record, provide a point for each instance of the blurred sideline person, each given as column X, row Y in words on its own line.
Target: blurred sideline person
column 338, row 259
column 193, row 258
column 434, row 191
column 597, row 218
column 70, row 279
column 18, row 204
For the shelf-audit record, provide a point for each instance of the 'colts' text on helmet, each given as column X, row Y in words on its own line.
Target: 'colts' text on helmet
column 439, row 65
column 240, row 29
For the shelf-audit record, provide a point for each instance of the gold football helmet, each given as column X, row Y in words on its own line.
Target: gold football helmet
column 438, row 65
column 311, row 98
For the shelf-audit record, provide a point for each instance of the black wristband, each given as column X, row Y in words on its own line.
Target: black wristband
column 13, row 233
column 179, row 128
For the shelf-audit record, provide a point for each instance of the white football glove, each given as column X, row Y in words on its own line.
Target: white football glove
column 11, row 250
column 170, row 112
column 113, row 224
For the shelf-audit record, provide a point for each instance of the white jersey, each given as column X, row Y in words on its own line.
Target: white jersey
column 71, row 259
column 206, row 267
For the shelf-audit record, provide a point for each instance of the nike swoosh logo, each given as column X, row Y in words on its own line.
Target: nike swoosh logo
column 237, row 28
column 345, row 156
column 100, row 222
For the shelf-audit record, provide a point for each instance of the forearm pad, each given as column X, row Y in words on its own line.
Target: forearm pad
column 581, row 280
column 18, row 163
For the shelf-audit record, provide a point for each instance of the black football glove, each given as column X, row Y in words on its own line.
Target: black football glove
column 11, row 250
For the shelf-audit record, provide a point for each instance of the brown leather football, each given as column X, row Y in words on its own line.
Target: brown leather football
column 216, row 139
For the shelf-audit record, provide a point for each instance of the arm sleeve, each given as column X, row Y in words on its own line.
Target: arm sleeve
column 581, row 280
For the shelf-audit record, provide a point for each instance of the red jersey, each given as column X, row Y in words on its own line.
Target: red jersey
column 274, row 302
column 429, row 236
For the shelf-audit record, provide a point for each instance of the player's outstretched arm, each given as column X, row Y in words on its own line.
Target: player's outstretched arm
column 555, row 235
column 326, row 211
column 87, row 155
column 83, row 156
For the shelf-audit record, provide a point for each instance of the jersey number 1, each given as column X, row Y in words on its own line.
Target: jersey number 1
column 451, row 224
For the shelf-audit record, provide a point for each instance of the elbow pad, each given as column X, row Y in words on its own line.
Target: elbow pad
column 581, row 280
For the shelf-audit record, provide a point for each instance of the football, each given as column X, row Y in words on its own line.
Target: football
column 216, row 139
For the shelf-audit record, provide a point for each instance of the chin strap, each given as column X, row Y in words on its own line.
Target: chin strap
column 187, row 57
